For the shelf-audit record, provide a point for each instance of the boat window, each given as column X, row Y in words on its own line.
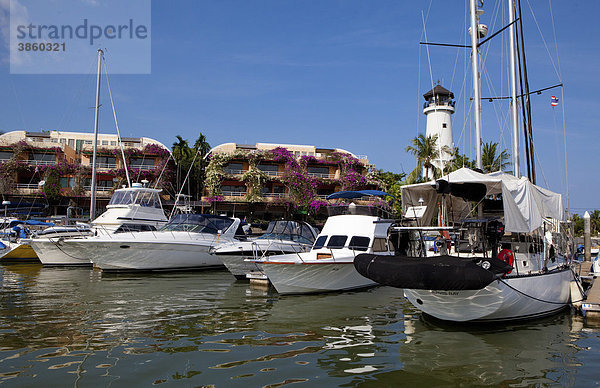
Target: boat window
column 148, row 199
column 320, row 243
column 198, row 223
column 359, row 243
column 122, row 198
column 337, row 242
column 380, row 245
column 135, row 228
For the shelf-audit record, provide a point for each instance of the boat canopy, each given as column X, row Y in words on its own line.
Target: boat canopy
column 30, row 222
column 136, row 195
column 525, row 205
column 198, row 223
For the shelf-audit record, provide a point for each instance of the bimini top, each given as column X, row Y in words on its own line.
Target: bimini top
column 358, row 194
column 525, row 205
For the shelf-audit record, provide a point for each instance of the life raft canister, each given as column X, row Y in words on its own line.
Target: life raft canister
column 507, row 256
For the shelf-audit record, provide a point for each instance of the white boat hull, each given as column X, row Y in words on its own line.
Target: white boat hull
column 149, row 255
column 58, row 252
column 303, row 278
column 510, row 299
column 237, row 265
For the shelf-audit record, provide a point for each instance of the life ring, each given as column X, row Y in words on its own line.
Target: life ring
column 507, row 256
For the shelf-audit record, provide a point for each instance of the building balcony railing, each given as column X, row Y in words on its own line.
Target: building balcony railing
column 98, row 188
column 34, row 186
column 234, row 193
column 41, row 162
column 106, row 166
column 273, row 173
column 274, row 195
column 142, row 167
column 321, row 175
column 235, row 172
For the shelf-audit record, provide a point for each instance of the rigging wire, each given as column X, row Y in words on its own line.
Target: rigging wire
column 112, row 103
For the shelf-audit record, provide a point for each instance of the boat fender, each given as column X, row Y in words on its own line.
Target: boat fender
column 507, row 256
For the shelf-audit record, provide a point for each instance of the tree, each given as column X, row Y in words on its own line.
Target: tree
column 183, row 156
column 392, row 184
column 202, row 147
column 426, row 150
column 492, row 162
column 459, row 161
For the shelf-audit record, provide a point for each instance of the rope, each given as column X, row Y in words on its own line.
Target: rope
column 529, row 296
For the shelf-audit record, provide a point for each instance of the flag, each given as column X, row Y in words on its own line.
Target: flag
column 554, row 101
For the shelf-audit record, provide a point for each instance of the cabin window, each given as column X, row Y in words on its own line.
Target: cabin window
column 444, row 125
column 337, row 242
column 380, row 245
column 359, row 243
column 135, row 228
column 320, row 243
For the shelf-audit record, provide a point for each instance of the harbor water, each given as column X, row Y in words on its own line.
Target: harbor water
column 80, row 327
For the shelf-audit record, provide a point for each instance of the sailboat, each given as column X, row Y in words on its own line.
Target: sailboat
column 134, row 208
column 500, row 249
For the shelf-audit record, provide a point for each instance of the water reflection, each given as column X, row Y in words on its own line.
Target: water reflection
column 80, row 327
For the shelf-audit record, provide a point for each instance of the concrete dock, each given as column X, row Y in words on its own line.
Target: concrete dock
column 590, row 308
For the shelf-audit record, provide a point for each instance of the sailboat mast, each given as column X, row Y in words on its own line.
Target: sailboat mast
column 97, row 114
column 526, row 95
column 476, row 85
column 513, row 91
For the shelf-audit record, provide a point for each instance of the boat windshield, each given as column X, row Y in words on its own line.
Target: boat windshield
column 198, row 223
column 289, row 230
column 139, row 197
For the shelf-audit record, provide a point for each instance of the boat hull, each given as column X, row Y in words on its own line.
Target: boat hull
column 304, row 278
column 54, row 252
column 512, row 298
column 149, row 255
column 237, row 265
column 20, row 253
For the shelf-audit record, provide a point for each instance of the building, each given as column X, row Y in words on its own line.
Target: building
column 267, row 181
column 439, row 107
column 55, row 167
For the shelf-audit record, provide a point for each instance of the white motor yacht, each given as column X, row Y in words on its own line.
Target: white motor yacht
column 328, row 266
column 281, row 237
column 182, row 244
column 135, row 208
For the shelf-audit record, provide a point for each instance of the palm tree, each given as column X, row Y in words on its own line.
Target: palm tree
column 426, row 150
column 203, row 148
column 183, row 155
column 459, row 161
column 492, row 162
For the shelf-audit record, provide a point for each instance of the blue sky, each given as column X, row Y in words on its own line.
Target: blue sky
column 347, row 74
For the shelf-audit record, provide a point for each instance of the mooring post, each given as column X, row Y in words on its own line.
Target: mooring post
column 587, row 237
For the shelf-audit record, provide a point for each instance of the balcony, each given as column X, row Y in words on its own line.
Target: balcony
column 234, row 172
column 101, row 189
column 273, row 173
column 274, row 195
column 234, row 193
column 321, row 175
column 106, row 166
column 41, row 162
column 142, row 167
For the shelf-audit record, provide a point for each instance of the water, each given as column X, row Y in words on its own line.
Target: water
column 79, row 327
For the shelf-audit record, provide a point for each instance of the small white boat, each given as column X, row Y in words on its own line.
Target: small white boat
column 282, row 237
column 328, row 266
column 182, row 244
column 130, row 209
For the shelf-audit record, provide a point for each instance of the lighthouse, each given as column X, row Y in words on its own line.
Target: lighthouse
column 439, row 107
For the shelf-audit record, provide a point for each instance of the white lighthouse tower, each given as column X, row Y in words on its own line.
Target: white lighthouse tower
column 439, row 107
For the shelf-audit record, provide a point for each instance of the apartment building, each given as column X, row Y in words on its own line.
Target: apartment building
column 268, row 180
column 31, row 160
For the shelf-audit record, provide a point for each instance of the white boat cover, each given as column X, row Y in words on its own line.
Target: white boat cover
column 525, row 205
